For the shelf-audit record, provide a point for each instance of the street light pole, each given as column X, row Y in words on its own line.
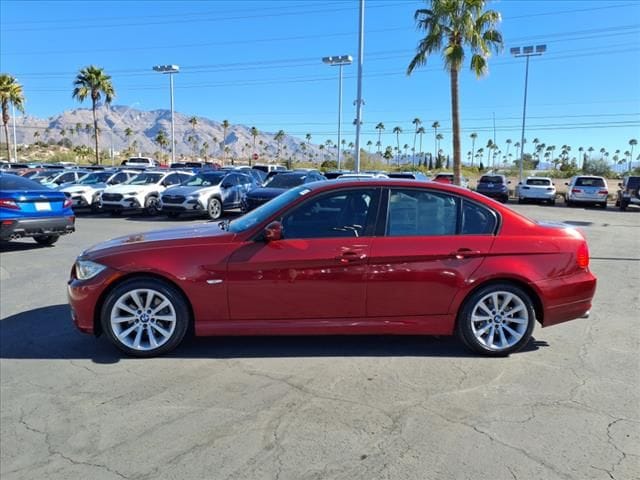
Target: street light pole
column 359, row 98
column 170, row 70
column 526, row 52
column 339, row 61
column 15, row 145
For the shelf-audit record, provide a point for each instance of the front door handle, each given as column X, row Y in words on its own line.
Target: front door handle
column 462, row 253
column 351, row 256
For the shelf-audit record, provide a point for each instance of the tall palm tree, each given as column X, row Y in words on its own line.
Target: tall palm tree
column 254, row 133
column 590, row 150
column 450, row 27
column 93, row 82
column 205, row 150
column 603, row 151
column 473, row 136
column 128, row 133
column 435, row 126
column 439, row 138
column 278, row 137
column 193, row 121
column 397, row 131
column 416, row 122
column 380, row 129
column 10, row 93
column 421, row 131
column 162, row 140
column 509, row 142
column 308, row 137
column 225, row 126
column 369, row 143
column 633, row 142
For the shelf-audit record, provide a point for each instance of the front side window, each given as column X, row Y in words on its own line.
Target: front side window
column 420, row 213
column 347, row 213
column 145, row 179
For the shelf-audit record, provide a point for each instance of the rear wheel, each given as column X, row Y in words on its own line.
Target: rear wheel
column 145, row 317
column 552, row 201
column 46, row 240
column 173, row 214
column 95, row 203
column 214, row 208
column 496, row 320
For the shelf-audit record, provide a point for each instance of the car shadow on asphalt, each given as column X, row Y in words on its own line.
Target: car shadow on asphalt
column 48, row 333
column 21, row 245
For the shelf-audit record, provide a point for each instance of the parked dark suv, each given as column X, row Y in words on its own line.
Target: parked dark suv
column 494, row 186
column 629, row 193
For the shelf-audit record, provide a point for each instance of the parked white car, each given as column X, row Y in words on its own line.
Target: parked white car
column 141, row 192
column 86, row 193
column 140, row 162
column 209, row 192
column 586, row 189
column 56, row 179
column 536, row 189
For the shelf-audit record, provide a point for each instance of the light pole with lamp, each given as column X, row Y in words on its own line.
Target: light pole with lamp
column 170, row 69
column 529, row 51
column 339, row 61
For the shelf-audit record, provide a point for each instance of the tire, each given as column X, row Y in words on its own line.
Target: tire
column 569, row 203
column 480, row 329
column 46, row 240
column 131, row 324
column 214, row 208
column 603, row 205
column 116, row 212
column 623, row 206
column 552, row 202
column 505, row 199
column 520, row 201
column 151, row 206
column 95, row 204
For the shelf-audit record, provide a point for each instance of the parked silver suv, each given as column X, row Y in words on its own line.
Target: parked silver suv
column 585, row 189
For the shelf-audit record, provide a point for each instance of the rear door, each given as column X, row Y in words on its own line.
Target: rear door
column 430, row 244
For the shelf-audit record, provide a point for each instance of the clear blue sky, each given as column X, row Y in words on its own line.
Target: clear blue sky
column 257, row 63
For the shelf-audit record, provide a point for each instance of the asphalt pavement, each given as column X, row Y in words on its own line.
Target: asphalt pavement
column 566, row 407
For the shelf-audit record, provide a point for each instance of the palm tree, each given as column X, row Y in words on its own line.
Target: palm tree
column 509, row 142
column 278, row 137
column 193, row 121
column 225, row 125
column 473, row 136
column 92, row 82
column 581, row 150
column 308, row 137
column 380, row 128
column 10, row 93
column 162, row 140
column 435, row 126
column 633, row 142
column 405, row 148
column 254, row 133
column 602, row 153
column 439, row 138
column 416, row 122
column 590, row 150
column 205, row 150
column 128, row 133
column 397, row 131
column 450, row 26
column 369, row 143
column 421, row 131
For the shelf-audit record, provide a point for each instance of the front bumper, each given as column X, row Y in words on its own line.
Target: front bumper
column 127, row 203
column 186, row 206
column 11, row 229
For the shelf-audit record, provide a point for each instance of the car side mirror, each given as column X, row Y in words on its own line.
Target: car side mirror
column 273, row 232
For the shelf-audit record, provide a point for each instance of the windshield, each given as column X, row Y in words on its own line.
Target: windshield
column 93, row 178
column 145, row 179
column 285, row 181
column 589, row 182
column 204, row 180
column 541, row 182
column 263, row 212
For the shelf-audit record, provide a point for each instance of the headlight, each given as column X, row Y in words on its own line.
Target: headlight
column 131, row 193
column 86, row 269
column 80, row 192
column 193, row 197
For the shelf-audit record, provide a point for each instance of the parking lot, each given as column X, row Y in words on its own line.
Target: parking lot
column 566, row 407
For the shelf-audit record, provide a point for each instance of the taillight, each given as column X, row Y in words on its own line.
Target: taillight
column 603, row 192
column 576, row 190
column 67, row 203
column 582, row 255
column 9, row 204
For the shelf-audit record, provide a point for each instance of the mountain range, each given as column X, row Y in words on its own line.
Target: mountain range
column 114, row 121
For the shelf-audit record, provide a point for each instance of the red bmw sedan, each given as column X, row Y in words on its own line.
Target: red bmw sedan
column 354, row 257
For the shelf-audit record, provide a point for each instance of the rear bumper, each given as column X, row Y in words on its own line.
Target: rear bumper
column 494, row 193
column 567, row 298
column 30, row 227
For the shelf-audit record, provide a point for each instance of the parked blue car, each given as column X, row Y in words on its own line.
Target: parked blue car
column 29, row 209
column 494, row 186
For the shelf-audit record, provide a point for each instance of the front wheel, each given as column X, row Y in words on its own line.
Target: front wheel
column 46, row 240
column 496, row 320
column 151, row 206
column 214, row 208
column 145, row 317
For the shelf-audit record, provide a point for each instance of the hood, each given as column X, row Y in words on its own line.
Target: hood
column 122, row 188
column 159, row 238
column 83, row 188
column 265, row 192
column 188, row 190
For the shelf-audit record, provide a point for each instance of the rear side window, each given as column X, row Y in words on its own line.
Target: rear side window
column 477, row 220
column 13, row 182
column 419, row 213
column 539, row 182
column 589, row 182
column 633, row 182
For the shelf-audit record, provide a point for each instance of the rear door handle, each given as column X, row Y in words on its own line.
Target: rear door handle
column 465, row 253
